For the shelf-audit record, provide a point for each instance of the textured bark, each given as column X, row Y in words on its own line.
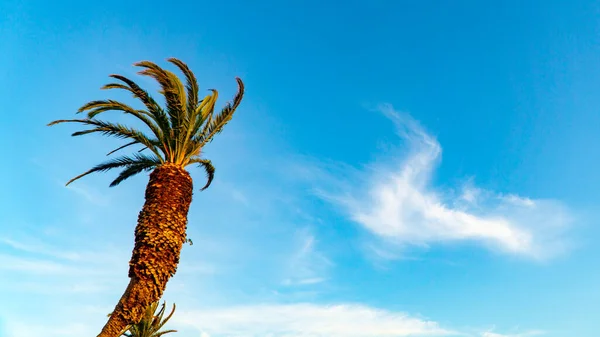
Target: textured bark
column 159, row 236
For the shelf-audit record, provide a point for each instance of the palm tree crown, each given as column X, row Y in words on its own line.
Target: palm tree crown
column 177, row 133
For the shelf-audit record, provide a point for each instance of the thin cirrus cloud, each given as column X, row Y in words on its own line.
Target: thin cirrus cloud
column 276, row 320
column 306, row 265
column 399, row 205
column 522, row 334
column 307, row 320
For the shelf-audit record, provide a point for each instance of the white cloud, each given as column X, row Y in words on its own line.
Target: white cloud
column 307, row 320
column 306, row 265
column 400, row 206
column 30, row 245
column 32, row 266
column 233, row 266
column 93, row 275
column 26, row 329
column 522, row 334
column 48, row 273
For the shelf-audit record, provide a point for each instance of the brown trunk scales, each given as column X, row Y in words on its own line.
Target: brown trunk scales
column 159, row 236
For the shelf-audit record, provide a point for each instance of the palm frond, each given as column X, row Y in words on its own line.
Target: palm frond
column 175, row 98
column 151, row 323
column 191, row 121
column 207, row 110
column 132, row 170
column 162, row 321
column 202, row 115
column 153, row 108
column 95, row 108
column 172, row 89
column 115, row 130
column 124, row 161
column 217, row 123
column 122, row 147
column 100, row 106
column 180, row 98
column 208, row 167
column 191, row 85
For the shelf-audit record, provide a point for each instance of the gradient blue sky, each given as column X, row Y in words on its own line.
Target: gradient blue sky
column 397, row 168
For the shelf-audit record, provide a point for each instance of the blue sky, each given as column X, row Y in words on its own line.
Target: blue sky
column 397, row 168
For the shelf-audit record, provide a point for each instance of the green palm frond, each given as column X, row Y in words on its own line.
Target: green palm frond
column 152, row 107
column 215, row 125
column 122, row 147
column 207, row 109
column 191, row 85
column 125, row 161
column 115, row 130
column 151, row 323
column 132, row 170
column 95, row 108
column 201, row 116
column 177, row 133
column 172, row 89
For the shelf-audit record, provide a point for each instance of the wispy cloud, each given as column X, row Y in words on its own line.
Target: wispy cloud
column 46, row 270
column 88, row 194
column 92, row 270
column 307, row 320
column 34, row 266
column 400, row 206
column 92, row 275
column 264, row 245
column 306, row 265
column 521, row 334
column 31, row 246
column 26, row 329
column 87, row 279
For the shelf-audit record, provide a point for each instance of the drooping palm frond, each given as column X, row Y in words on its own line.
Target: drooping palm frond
column 95, row 108
column 177, row 133
column 115, row 130
column 138, row 160
column 208, row 167
column 124, row 146
column 132, row 170
column 159, row 116
column 171, row 88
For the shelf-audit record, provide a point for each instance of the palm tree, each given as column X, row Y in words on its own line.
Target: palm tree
column 175, row 137
column 150, row 324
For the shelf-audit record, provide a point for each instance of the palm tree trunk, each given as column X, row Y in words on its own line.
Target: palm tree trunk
column 159, row 236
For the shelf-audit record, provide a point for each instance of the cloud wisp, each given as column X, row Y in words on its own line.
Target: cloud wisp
column 306, row 265
column 522, row 334
column 399, row 205
column 307, row 320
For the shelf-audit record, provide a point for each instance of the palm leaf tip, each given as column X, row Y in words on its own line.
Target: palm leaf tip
column 209, row 168
column 59, row 121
